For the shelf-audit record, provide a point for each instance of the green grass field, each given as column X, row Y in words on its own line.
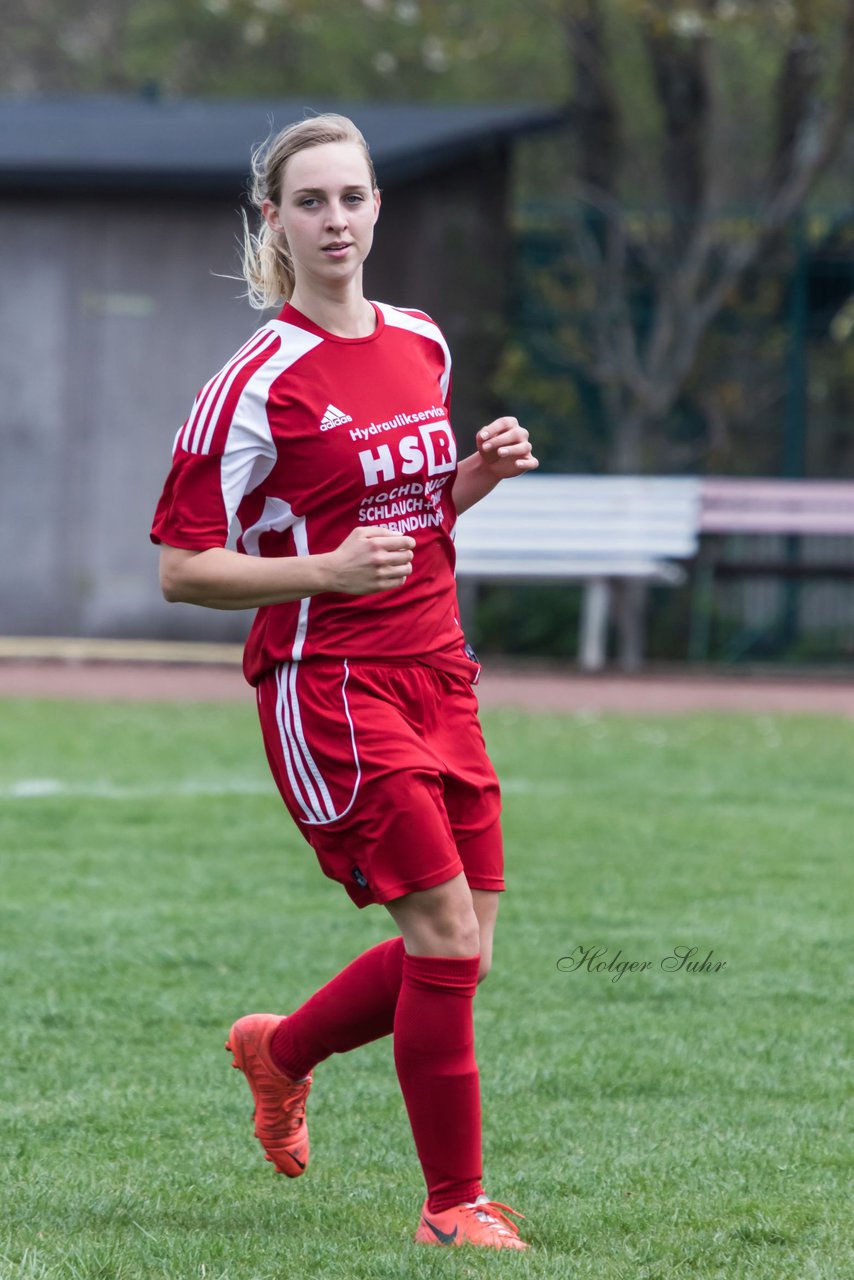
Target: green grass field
column 660, row 1126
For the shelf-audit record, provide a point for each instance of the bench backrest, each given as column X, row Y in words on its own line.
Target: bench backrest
column 736, row 505
column 578, row 516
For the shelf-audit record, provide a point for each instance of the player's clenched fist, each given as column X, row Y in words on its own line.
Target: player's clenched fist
column 505, row 448
column 371, row 559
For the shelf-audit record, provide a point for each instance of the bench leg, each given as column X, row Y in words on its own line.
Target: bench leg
column 631, row 615
column 595, row 607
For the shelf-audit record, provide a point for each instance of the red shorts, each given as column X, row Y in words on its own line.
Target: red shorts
column 384, row 770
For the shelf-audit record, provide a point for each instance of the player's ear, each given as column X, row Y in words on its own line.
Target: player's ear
column 377, row 203
column 271, row 216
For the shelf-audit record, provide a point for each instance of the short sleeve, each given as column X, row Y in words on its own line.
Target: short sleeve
column 191, row 512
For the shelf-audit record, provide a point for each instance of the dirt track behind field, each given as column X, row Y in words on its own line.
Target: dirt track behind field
column 500, row 686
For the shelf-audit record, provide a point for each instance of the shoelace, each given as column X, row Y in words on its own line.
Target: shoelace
column 494, row 1213
column 296, row 1102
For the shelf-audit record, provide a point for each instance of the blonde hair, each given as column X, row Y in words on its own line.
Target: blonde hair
column 267, row 265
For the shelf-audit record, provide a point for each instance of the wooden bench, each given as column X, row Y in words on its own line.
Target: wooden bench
column 601, row 531
column 752, row 508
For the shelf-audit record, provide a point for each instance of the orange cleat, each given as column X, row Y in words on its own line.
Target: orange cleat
column 279, row 1114
column 484, row 1223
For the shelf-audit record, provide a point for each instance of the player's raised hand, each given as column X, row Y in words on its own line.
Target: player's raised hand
column 370, row 559
column 504, row 447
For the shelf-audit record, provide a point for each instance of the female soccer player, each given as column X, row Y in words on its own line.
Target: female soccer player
column 327, row 436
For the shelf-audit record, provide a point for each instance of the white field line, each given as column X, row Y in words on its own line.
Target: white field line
column 192, row 788
column 52, row 788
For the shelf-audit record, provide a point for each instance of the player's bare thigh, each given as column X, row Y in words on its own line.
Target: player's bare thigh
column 448, row 920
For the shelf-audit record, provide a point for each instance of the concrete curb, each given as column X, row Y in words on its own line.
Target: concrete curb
column 83, row 649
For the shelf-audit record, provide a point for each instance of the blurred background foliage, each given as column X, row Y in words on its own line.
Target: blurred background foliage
column 682, row 285
column 686, row 121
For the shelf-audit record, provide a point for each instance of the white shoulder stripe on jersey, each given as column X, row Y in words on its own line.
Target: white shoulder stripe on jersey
column 401, row 320
column 215, row 413
column 208, row 395
column 196, row 436
column 250, row 453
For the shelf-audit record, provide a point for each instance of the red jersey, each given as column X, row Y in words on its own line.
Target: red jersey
column 303, row 436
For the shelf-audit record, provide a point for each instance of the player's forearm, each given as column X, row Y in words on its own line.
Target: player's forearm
column 473, row 482
column 223, row 579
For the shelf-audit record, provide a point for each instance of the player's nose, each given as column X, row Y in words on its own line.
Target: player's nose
column 337, row 217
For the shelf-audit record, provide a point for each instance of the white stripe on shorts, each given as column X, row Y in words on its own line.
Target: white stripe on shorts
column 306, row 799
column 299, row 761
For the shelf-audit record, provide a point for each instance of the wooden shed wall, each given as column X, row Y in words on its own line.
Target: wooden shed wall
column 111, row 319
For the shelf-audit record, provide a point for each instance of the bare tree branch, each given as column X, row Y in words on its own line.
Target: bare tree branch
column 702, row 263
column 595, row 103
column 680, row 74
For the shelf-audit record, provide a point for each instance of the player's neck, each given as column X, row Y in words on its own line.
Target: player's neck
column 347, row 315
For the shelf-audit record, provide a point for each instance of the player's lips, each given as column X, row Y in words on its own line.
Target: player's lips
column 338, row 249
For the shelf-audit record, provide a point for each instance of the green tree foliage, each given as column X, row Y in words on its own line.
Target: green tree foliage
column 658, row 250
column 394, row 50
column 698, row 133
column 655, row 222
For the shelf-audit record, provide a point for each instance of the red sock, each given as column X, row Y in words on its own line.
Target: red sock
column 357, row 1006
column 436, row 1067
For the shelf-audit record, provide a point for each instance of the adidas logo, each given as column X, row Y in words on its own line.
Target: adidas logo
column 333, row 418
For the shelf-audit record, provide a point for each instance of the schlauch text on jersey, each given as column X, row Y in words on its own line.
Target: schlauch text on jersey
column 407, row 507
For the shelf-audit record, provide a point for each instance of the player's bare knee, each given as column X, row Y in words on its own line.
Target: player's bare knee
column 456, row 934
column 440, row 921
column 446, row 933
